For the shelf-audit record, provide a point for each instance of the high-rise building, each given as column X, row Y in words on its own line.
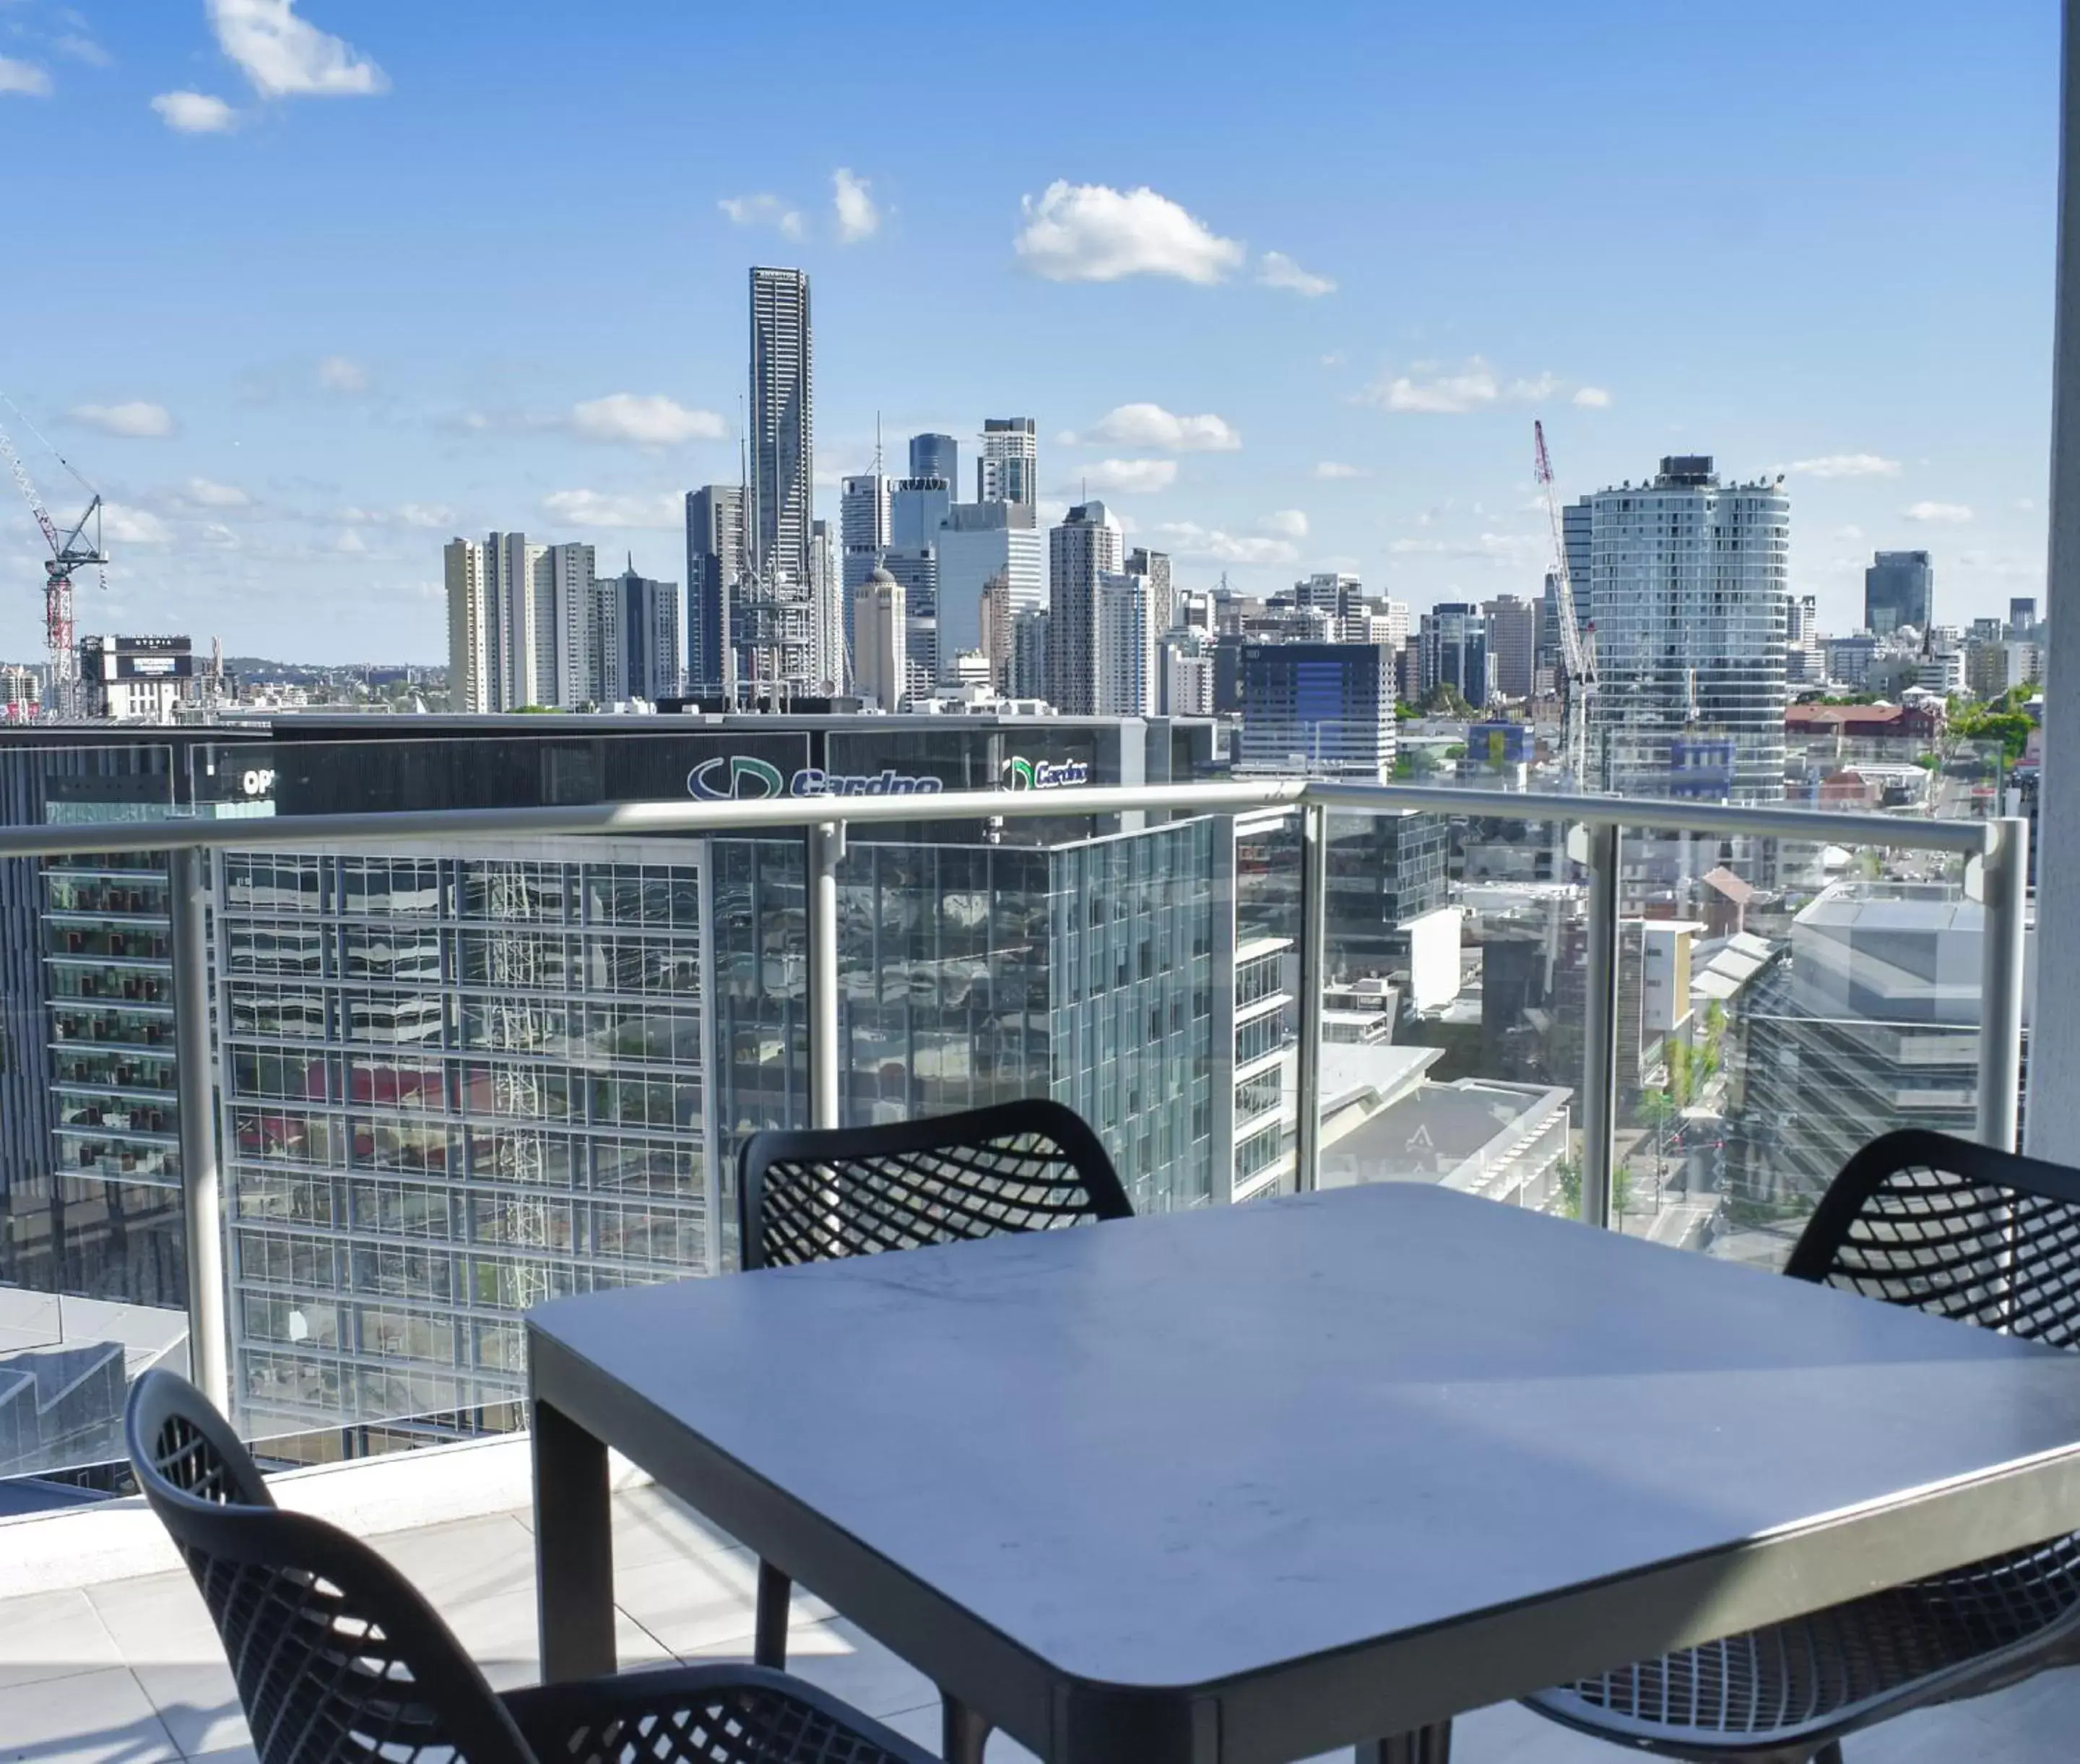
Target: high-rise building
column 782, row 416
column 1032, row 673
column 1512, row 643
column 714, row 555
column 511, row 587
column 1899, row 589
column 469, row 623
column 1009, row 470
column 1184, row 673
column 571, row 654
column 916, row 569
column 935, row 456
column 1337, row 594
column 638, row 629
column 995, row 613
column 1126, row 645
column 880, row 667
column 862, row 539
column 1323, row 708
column 1154, row 566
column 1085, row 546
column 979, row 543
column 827, row 594
column 1454, row 644
column 2022, row 615
column 1576, row 520
column 1688, row 581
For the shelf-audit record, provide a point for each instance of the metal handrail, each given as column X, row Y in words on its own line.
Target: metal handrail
column 2001, row 847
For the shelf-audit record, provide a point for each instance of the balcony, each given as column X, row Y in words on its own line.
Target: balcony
column 601, row 998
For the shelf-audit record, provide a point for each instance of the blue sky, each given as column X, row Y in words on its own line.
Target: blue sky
column 306, row 288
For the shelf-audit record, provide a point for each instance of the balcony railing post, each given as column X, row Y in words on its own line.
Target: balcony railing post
column 1314, row 973
column 202, row 1188
column 826, row 847
column 1600, row 1076
column 2004, row 892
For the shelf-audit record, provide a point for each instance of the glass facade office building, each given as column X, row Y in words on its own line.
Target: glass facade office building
column 460, row 1077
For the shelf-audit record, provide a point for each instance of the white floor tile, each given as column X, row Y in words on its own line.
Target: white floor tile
column 88, row 1718
column 52, row 1636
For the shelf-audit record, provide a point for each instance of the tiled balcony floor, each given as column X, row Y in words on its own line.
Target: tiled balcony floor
column 130, row 1672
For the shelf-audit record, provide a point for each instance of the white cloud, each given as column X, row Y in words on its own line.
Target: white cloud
column 1948, row 514
column 1285, row 523
column 1274, row 269
column 207, row 494
column 427, row 515
column 1592, row 398
column 858, row 217
column 646, row 420
column 336, row 373
column 2025, row 504
column 1128, row 477
column 1429, row 389
column 1847, row 535
column 1833, row 465
column 1331, row 469
column 286, row 56
column 350, row 542
column 598, row 508
column 81, row 48
column 1187, row 539
column 1441, row 395
column 137, row 420
column 195, row 113
column 762, row 210
column 23, row 79
column 217, row 533
column 1514, row 551
column 121, row 525
column 1091, row 232
column 1151, row 426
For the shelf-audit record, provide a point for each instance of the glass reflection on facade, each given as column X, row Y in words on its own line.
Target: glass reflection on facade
column 453, row 1086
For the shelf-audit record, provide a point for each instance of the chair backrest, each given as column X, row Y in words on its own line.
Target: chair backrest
column 821, row 1195
column 337, row 1657
column 1959, row 1229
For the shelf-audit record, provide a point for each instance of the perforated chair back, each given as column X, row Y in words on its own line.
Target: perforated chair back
column 819, row 1195
column 1958, row 1229
column 337, row 1657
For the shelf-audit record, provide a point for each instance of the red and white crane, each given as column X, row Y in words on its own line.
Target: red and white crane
column 71, row 548
column 1578, row 643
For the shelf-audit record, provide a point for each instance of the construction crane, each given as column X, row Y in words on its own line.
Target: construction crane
column 1578, row 643
column 71, row 549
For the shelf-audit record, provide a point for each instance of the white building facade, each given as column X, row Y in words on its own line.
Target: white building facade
column 1689, row 581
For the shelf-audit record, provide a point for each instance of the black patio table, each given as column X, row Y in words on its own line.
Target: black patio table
column 1247, row 1484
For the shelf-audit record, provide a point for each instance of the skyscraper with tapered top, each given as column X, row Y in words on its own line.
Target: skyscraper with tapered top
column 783, row 422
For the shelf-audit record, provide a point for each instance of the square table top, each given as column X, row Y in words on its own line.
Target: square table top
column 1195, row 1451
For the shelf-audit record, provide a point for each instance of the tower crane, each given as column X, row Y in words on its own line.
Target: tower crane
column 71, row 548
column 1578, row 643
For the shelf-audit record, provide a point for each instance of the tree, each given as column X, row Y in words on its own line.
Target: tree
column 1445, row 699
column 1621, row 1191
column 1568, row 1174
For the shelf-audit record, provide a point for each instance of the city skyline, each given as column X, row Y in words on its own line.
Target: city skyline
column 291, row 398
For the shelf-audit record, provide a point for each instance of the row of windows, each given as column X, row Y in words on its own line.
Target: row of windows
column 661, row 897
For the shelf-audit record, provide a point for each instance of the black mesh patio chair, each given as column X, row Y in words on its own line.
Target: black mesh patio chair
column 826, row 1193
column 1967, row 1233
column 339, row 1660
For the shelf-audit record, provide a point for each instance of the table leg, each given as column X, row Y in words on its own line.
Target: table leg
column 1431, row 1745
column 963, row 1733
column 768, row 1642
column 573, row 1549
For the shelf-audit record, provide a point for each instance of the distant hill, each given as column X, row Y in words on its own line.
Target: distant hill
column 257, row 668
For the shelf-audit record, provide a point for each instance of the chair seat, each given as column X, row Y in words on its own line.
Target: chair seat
column 1796, row 1684
column 723, row 1714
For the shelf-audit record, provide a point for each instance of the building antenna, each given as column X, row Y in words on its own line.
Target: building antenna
column 877, row 443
